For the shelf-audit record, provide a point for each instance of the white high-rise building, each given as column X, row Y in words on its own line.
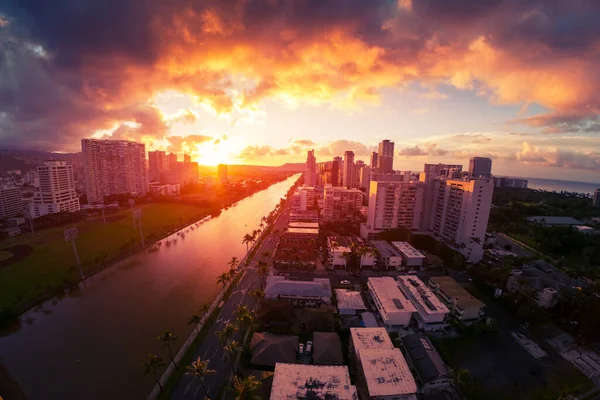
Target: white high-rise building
column 56, row 190
column 11, row 203
column 113, row 167
column 395, row 204
column 310, row 176
column 385, row 157
column 348, row 177
column 460, row 213
column 341, row 203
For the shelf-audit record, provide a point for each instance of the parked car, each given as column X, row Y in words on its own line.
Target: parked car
column 345, row 282
column 301, row 348
column 309, row 347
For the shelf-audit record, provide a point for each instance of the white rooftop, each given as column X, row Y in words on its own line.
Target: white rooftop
column 278, row 285
column 297, row 381
column 370, row 338
column 349, row 299
column 386, row 373
column 313, row 225
column 407, row 249
column 417, row 291
column 390, row 296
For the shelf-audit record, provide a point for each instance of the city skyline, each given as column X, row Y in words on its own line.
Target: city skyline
column 444, row 83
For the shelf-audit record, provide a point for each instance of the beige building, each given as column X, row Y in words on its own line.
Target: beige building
column 113, row 167
column 461, row 303
column 393, row 306
column 56, row 190
column 11, row 203
column 341, row 203
column 431, row 312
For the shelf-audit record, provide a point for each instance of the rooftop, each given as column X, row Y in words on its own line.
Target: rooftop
column 327, row 349
column 370, row 338
column 453, row 289
column 385, row 249
column 298, row 381
column 416, row 290
column 278, row 285
column 554, row 220
column 303, row 231
column 407, row 249
column 386, row 372
column 267, row 349
column 368, row 320
column 427, row 361
column 310, row 225
column 389, row 295
column 349, row 299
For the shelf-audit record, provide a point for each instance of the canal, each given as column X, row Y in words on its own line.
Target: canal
column 91, row 343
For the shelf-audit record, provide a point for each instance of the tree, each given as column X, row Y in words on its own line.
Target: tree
column 247, row 239
column 463, row 378
column 257, row 294
column 244, row 319
column 166, row 339
column 195, row 320
column 242, row 387
column 199, row 370
column 233, row 263
column 223, row 278
column 153, row 364
column 226, row 333
column 232, row 349
column 263, row 273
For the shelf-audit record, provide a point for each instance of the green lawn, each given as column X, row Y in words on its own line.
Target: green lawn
column 52, row 262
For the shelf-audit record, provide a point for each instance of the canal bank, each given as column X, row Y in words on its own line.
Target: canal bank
column 92, row 343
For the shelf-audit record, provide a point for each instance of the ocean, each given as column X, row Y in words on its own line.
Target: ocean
column 558, row 185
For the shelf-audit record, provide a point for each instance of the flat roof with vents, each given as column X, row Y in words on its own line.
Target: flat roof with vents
column 370, row 338
column 386, row 373
column 298, row 381
column 425, row 300
column 408, row 251
column 389, row 295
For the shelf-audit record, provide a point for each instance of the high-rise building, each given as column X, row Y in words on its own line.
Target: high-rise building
column 222, row 171
column 113, row 167
column 395, row 204
column 359, row 165
column 453, row 171
column 480, row 167
column 324, row 173
column 171, row 161
column 336, row 171
column 341, row 203
column 596, row 199
column 460, row 213
column 157, row 163
column 11, row 203
column 187, row 158
column 373, row 160
column 348, row 177
column 56, row 190
column 507, row 182
column 310, row 175
column 365, row 178
column 385, row 157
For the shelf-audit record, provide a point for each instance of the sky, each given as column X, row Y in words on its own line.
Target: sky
column 262, row 82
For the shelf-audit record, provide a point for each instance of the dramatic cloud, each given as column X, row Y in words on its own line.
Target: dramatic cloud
column 71, row 68
column 472, row 138
column 554, row 157
column 563, row 123
column 257, row 152
column 338, row 147
column 427, row 149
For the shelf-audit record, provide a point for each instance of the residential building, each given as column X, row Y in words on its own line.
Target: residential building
column 304, row 216
column 555, row 220
column 393, row 306
column 310, row 175
column 157, row 164
column 337, row 167
column 324, row 173
column 596, row 199
column 348, row 177
column 460, row 213
column 411, row 257
column 452, row 171
column 389, row 256
column 171, row 161
column 187, row 158
column 113, row 167
column 507, row 182
column 182, row 173
column 527, row 279
column 480, row 167
column 359, row 166
column 56, row 190
column 315, row 292
column 349, row 302
column 341, row 203
column 365, row 177
column 368, row 320
column 337, row 249
column 327, row 349
column 307, row 233
column 385, row 159
column 309, row 225
column 430, row 311
column 299, row 381
column 430, row 371
column 11, row 203
column 222, row 172
column 462, row 305
column 373, row 160
column 164, row 189
column 268, row 350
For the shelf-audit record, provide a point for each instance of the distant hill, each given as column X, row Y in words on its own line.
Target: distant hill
column 292, row 167
column 27, row 160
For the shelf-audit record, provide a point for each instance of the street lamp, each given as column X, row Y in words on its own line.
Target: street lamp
column 137, row 216
column 70, row 235
column 131, row 204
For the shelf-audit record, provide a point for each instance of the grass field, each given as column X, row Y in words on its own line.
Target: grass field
column 52, row 263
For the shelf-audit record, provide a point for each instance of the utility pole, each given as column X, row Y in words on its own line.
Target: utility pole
column 137, row 216
column 27, row 213
column 70, row 235
column 131, row 204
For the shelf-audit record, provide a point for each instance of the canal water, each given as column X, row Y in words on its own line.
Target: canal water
column 91, row 344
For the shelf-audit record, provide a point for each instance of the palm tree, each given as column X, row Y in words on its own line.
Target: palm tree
column 232, row 349
column 226, row 333
column 195, row 320
column 263, row 272
column 153, row 364
column 257, row 294
column 223, row 278
column 234, row 262
column 243, row 386
column 255, row 234
column 204, row 309
column 199, row 370
column 244, row 319
column 247, row 239
column 166, row 339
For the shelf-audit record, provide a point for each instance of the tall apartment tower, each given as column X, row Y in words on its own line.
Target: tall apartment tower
column 11, row 203
column 359, row 166
column 56, row 190
column 222, row 171
column 385, row 157
column 460, row 213
column 171, row 162
column 480, row 167
column 596, row 199
column 348, row 177
column 187, row 158
column 157, row 164
column 310, row 175
column 373, row 160
column 113, row 167
column 453, row 171
column 341, row 203
column 336, row 171
column 394, row 204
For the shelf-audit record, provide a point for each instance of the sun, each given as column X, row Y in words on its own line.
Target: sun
column 220, row 151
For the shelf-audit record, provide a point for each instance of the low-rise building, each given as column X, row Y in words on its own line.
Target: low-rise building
column 461, row 303
column 349, row 302
column 315, row 292
column 411, row 257
column 395, row 309
column 268, row 350
column 327, row 349
column 305, row 225
column 337, row 249
column 555, row 220
column 430, row 371
column 304, row 216
column 389, row 257
column 308, row 233
column 431, row 312
column 166, row 189
column 526, row 279
column 341, row 203
column 298, row 381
